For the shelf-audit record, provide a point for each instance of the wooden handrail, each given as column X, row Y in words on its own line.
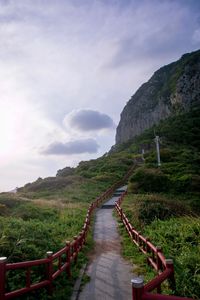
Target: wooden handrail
column 157, row 260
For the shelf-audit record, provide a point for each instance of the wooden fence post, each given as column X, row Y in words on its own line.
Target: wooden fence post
column 84, row 234
column 158, row 262
column 159, row 266
column 147, row 246
column 170, row 265
column 138, row 238
column 88, row 219
column 81, row 240
column 137, row 288
column 2, row 277
column 68, row 258
column 121, row 213
column 76, row 248
column 50, row 271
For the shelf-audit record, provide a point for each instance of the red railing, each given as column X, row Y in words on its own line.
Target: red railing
column 155, row 258
column 54, row 263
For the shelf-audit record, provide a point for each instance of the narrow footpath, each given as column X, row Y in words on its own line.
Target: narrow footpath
column 110, row 275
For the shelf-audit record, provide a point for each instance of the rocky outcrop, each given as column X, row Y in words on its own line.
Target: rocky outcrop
column 172, row 89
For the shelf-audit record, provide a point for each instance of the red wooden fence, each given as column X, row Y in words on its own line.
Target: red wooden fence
column 155, row 259
column 54, row 263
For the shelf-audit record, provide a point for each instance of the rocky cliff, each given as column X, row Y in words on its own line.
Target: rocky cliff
column 172, row 89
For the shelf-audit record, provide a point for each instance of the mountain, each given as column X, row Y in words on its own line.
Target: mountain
column 173, row 89
column 162, row 202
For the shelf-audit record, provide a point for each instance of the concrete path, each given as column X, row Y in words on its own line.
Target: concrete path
column 111, row 202
column 110, row 274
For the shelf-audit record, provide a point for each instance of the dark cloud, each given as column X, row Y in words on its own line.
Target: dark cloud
column 163, row 29
column 88, row 120
column 73, row 147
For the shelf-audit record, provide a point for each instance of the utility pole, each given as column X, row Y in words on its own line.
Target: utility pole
column 143, row 155
column 157, row 150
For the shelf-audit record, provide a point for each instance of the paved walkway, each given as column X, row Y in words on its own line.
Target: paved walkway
column 110, row 274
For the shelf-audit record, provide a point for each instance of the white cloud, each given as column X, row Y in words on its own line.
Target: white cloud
column 88, row 120
column 72, row 147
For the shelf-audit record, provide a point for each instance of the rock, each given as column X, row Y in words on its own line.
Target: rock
column 171, row 90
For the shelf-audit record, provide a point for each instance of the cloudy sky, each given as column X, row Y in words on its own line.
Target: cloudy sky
column 67, row 69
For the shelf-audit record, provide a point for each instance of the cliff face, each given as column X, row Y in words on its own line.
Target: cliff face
column 172, row 89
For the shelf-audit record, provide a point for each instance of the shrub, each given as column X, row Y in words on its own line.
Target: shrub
column 151, row 210
column 2, row 209
column 103, row 177
column 133, row 187
column 65, row 172
column 195, row 183
column 28, row 211
column 150, row 180
column 167, row 155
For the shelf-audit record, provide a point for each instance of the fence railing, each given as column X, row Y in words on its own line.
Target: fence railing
column 155, row 258
column 54, row 263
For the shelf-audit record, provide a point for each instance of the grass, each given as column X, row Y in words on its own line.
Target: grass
column 63, row 285
column 180, row 239
column 131, row 252
column 30, row 228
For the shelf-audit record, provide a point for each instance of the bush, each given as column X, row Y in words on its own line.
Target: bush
column 103, row 177
column 67, row 171
column 2, row 209
column 150, row 180
column 151, row 210
column 28, row 211
column 182, row 183
column 143, row 209
column 195, row 183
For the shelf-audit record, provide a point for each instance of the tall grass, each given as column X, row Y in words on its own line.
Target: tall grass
column 180, row 240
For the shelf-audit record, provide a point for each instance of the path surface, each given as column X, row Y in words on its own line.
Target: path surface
column 110, row 274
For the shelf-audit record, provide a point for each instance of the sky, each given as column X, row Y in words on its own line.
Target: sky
column 67, row 69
